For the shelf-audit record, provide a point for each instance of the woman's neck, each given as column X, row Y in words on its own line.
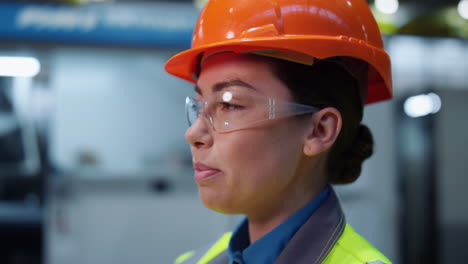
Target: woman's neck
column 263, row 221
column 270, row 211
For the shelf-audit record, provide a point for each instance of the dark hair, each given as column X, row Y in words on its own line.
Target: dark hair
column 329, row 83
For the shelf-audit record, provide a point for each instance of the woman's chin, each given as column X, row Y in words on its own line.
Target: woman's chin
column 217, row 201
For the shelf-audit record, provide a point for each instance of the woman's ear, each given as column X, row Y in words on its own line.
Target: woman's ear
column 326, row 126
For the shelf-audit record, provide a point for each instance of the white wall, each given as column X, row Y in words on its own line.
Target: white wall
column 127, row 224
column 118, row 105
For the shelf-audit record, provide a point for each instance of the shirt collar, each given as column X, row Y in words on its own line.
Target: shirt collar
column 269, row 247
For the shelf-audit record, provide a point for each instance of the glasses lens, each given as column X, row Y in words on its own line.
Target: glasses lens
column 228, row 111
column 191, row 110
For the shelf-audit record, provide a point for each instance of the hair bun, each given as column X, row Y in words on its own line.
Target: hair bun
column 351, row 160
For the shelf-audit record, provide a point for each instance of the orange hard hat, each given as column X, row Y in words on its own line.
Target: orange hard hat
column 295, row 30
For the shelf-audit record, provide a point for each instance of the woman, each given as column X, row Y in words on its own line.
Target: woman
column 280, row 89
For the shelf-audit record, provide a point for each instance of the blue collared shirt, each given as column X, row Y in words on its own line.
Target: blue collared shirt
column 267, row 249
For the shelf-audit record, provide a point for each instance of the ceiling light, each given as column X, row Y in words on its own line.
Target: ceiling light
column 19, row 66
column 387, row 6
column 422, row 105
column 463, row 9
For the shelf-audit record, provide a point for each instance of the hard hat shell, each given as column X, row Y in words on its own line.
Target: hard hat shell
column 296, row 30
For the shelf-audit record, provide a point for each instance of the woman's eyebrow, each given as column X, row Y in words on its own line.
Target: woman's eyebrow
column 235, row 82
column 224, row 84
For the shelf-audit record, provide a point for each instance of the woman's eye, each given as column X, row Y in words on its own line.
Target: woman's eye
column 229, row 107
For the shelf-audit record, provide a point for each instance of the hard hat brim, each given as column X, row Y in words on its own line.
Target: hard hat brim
column 185, row 64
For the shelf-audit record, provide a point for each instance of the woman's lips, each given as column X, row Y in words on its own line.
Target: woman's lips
column 204, row 172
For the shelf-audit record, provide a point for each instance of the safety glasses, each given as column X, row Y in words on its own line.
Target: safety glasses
column 228, row 111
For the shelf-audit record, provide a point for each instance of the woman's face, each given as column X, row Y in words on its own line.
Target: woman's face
column 240, row 171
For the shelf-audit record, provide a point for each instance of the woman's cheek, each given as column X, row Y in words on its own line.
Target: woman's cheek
column 238, row 154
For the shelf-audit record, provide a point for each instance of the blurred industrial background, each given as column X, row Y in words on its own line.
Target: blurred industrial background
column 94, row 167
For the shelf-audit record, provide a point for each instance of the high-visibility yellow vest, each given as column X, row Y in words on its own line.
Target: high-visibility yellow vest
column 350, row 248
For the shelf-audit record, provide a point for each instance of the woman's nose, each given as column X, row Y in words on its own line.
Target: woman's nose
column 199, row 135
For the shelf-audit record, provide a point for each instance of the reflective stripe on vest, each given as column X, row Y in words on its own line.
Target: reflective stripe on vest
column 206, row 254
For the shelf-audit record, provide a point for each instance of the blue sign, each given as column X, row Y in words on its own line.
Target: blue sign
column 136, row 24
